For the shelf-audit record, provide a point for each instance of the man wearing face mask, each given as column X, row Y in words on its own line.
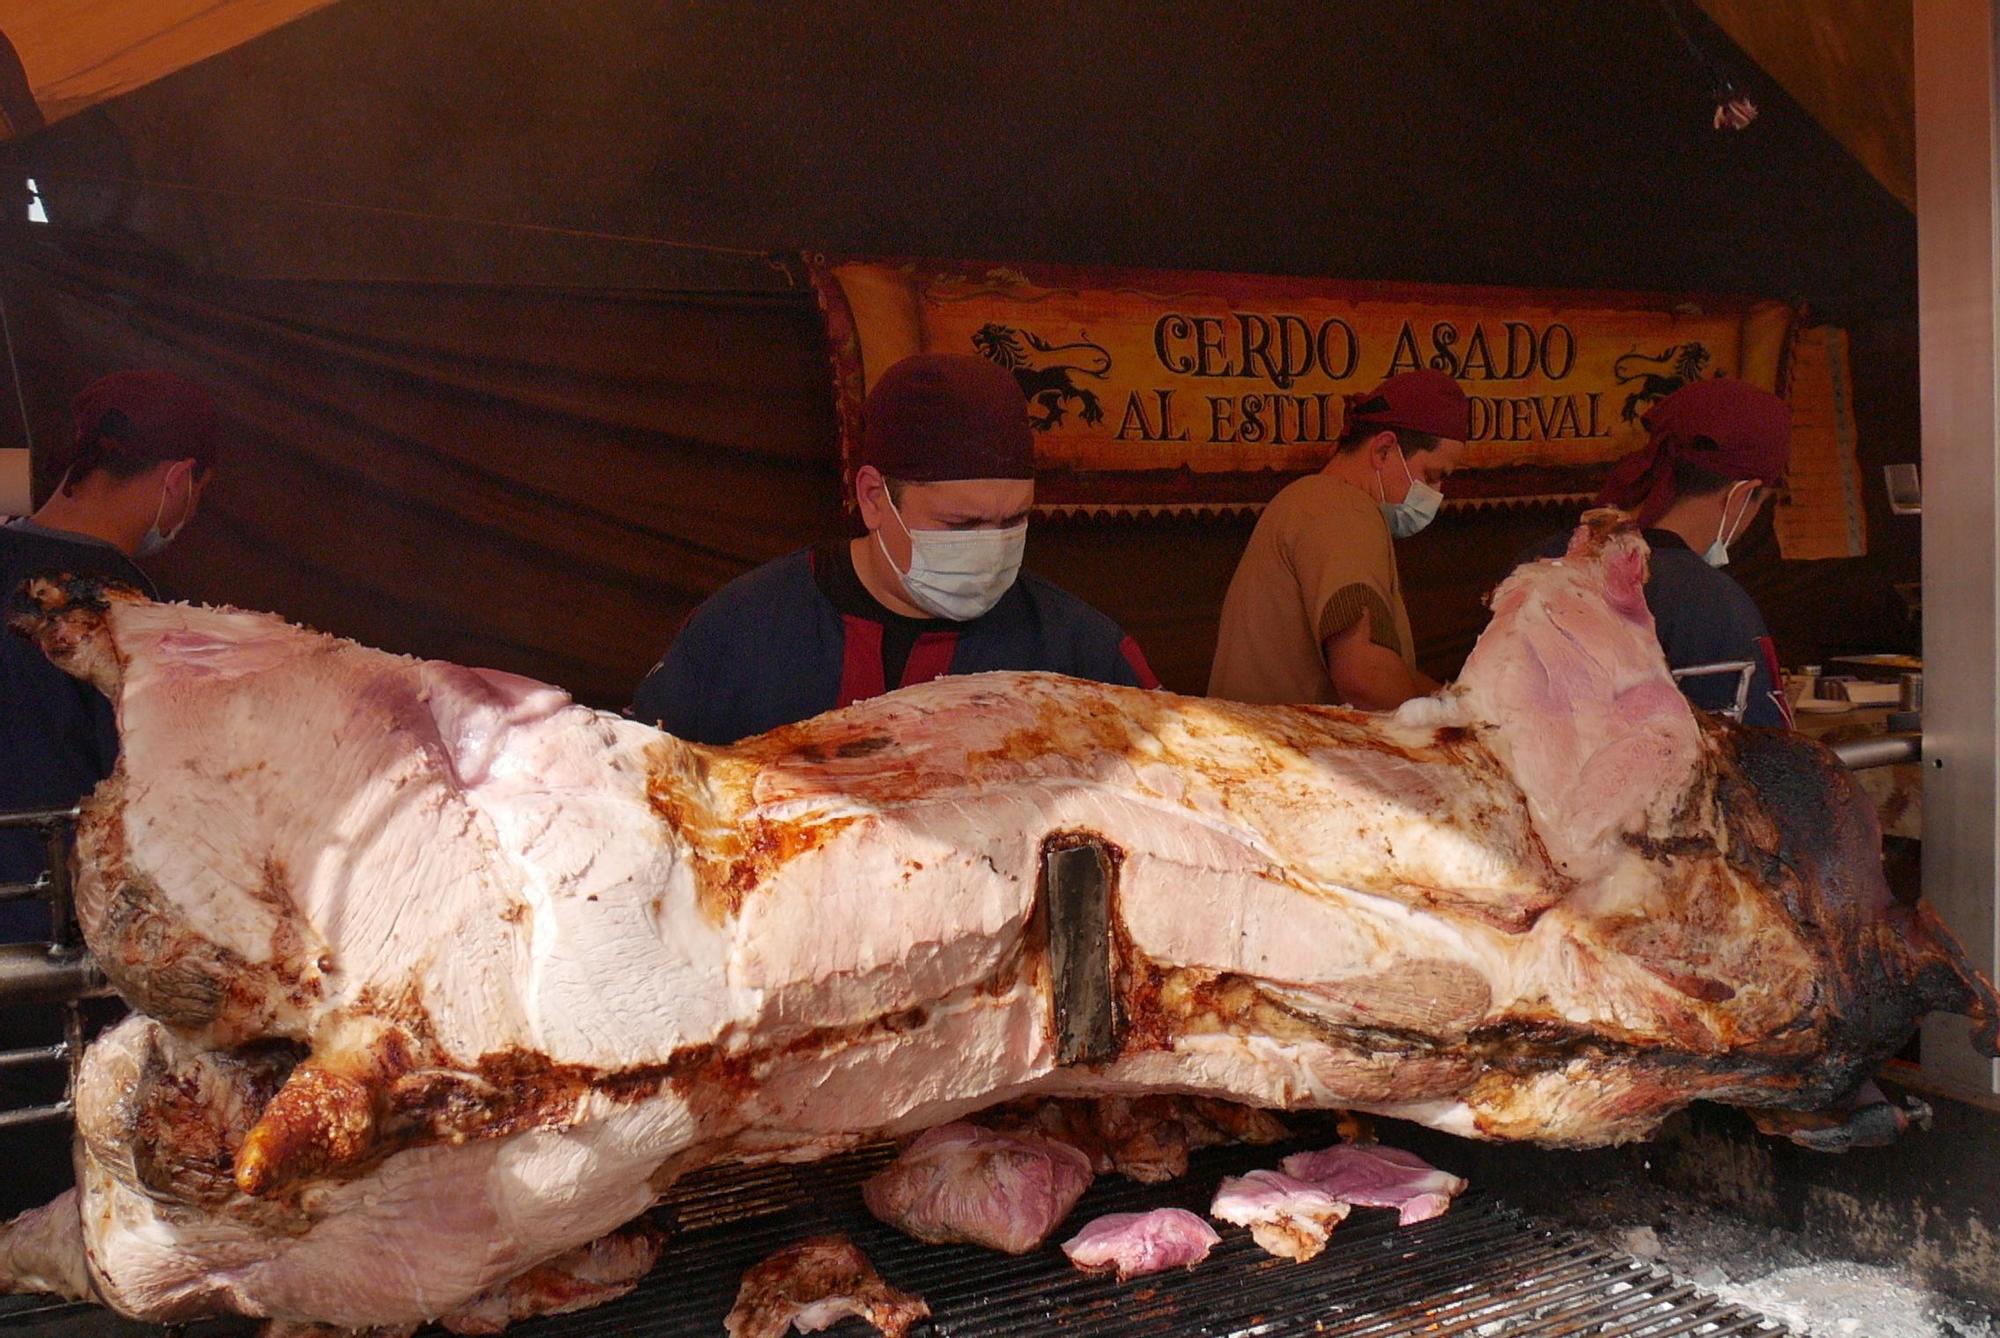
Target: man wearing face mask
column 944, row 483
column 1715, row 452
column 144, row 443
column 1315, row 611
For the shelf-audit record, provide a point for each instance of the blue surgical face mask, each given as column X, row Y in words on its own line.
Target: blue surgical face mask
column 959, row 574
column 154, row 539
column 1717, row 554
column 1419, row 506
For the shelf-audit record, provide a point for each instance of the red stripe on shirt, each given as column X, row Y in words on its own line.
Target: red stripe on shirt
column 860, row 660
column 1768, row 650
column 930, row 658
column 1129, row 648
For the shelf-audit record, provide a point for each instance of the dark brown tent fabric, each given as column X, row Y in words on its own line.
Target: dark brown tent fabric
column 538, row 480
column 547, row 480
column 511, row 198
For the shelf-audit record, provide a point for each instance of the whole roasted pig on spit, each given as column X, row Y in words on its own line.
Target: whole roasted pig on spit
column 441, row 978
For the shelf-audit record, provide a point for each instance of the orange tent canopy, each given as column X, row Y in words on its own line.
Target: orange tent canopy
column 1851, row 66
column 66, row 55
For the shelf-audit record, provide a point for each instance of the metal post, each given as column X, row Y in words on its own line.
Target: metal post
column 62, row 907
column 73, row 1045
column 1958, row 262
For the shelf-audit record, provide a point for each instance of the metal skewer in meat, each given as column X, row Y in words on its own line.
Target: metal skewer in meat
column 442, row 976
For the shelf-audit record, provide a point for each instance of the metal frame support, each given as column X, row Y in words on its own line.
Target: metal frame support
column 59, row 971
column 1958, row 262
column 1743, row 670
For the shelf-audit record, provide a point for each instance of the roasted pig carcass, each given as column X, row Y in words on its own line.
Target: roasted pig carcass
column 441, row 976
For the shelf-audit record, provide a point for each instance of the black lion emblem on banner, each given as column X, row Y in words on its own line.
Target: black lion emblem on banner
column 1044, row 371
column 1659, row 375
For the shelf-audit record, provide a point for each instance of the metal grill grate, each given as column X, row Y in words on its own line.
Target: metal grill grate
column 1484, row 1270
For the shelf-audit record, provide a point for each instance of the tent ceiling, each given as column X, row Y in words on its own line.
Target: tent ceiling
column 1848, row 64
column 75, row 53
column 1851, row 65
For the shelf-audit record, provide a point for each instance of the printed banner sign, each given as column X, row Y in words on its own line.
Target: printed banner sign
column 1820, row 513
column 1154, row 390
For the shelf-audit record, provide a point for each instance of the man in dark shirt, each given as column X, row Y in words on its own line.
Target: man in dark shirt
column 944, row 484
column 1716, row 452
column 144, row 444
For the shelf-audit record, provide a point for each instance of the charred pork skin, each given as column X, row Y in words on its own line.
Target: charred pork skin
column 441, row 976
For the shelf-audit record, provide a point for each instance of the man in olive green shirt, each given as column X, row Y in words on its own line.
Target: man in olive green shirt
column 1315, row 611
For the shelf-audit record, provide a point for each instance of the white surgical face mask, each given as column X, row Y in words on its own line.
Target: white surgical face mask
column 154, row 540
column 1718, row 552
column 1419, row 505
column 959, row 574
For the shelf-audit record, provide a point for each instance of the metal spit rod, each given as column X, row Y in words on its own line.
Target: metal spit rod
column 1880, row 750
column 30, row 973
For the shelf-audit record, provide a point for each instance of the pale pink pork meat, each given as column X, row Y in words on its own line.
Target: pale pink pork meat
column 1369, row 1175
column 961, row 1182
column 1287, row 1216
column 1134, row 1244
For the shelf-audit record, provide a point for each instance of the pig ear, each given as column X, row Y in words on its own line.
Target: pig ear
column 1600, row 527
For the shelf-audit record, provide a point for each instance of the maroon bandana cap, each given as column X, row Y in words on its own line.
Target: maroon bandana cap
column 165, row 418
column 938, row 416
column 1727, row 427
column 1416, row 402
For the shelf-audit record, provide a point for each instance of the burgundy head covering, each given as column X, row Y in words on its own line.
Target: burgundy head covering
column 1424, row 401
column 163, row 418
column 1727, row 427
column 937, row 416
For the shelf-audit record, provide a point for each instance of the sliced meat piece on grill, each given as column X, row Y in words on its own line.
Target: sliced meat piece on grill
column 960, row 1182
column 1134, row 1244
column 1369, row 1175
column 1288, row 1217
column 1064, row 1119
column 1146, row 1137
column 601, row 1271
column 1210, row 1123
column 814, row 1285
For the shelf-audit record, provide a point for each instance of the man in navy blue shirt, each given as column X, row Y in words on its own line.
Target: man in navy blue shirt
column 1716, row 452
column 145, row 441
column 944, row 484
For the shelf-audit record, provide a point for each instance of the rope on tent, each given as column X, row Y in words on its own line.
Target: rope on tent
column 7, row 330
column 776, row 260
column 1733, row 111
